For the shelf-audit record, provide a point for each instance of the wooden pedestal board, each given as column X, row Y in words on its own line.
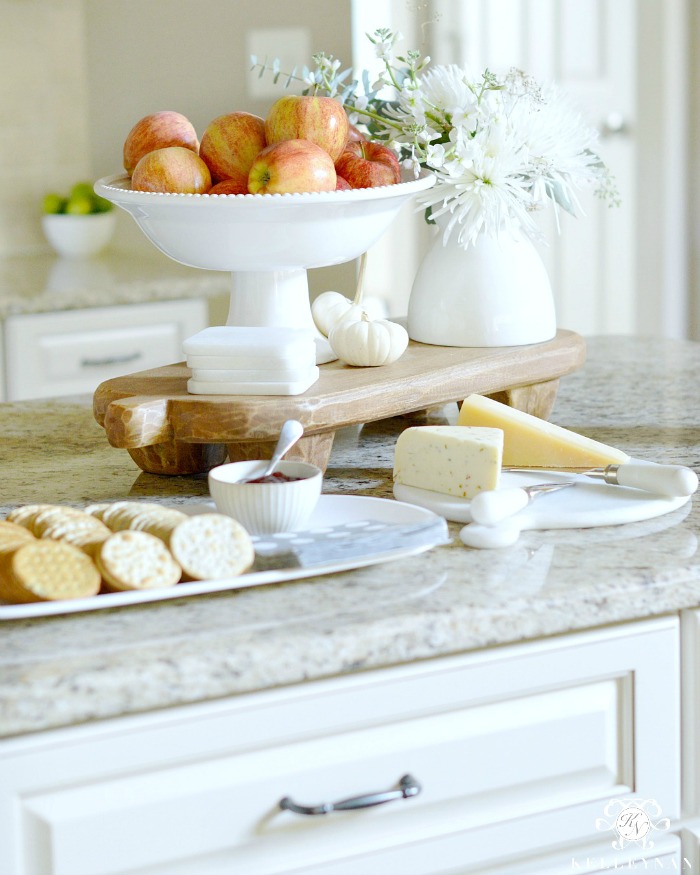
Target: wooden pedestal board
column 168, row 431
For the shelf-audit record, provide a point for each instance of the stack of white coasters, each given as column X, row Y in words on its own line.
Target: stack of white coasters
column 232, row 360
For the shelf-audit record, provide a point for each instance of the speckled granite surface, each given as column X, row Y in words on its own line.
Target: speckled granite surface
column 641, row 395
column 37, row 284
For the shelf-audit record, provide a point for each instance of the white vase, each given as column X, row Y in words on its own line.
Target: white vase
column 496, row 292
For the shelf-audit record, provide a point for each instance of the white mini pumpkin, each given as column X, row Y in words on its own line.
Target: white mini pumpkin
column 330, row 307
column 358, row 340
column 327, row 309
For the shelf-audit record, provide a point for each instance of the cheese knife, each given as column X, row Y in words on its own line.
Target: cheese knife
column 672, row 481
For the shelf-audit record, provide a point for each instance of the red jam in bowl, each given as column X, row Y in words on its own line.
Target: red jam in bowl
column 275, row 477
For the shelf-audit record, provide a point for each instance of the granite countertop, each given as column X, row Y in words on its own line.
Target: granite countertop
column 634, row 393
column 46, row 283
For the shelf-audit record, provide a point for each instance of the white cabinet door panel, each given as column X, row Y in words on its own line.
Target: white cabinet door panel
column 516, row 749
column 73, row 351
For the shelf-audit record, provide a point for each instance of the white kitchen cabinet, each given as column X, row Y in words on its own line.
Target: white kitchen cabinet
column 690, row 637
column 517, row 749
column 666, row 855
column 690, row 838
column 73, row 351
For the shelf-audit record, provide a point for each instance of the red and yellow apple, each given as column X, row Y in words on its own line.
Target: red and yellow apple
column 321, row 120
column 342, row 184
column 365, row 164
column 230, row 144
column 292, row 166
column 156, row 131
column 173, row 169
column 355, row 134
column 229, row 186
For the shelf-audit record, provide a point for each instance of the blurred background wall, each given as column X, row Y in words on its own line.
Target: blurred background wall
column 76, row 74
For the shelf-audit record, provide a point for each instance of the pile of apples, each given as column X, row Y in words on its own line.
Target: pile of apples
column 305, row 144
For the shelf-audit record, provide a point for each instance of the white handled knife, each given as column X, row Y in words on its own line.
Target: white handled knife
column 673, row 481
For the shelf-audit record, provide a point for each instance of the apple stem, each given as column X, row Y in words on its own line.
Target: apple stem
column 360, row 280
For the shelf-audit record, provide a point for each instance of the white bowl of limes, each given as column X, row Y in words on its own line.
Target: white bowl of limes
column 78, row 225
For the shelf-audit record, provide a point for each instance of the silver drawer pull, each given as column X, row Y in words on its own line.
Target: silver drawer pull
column 408, row 786
column 112, row 360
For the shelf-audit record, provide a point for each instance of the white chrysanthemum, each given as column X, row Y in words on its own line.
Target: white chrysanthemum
column 560, row 149
column 480, row 188
column 449, row 89
column 500, row 147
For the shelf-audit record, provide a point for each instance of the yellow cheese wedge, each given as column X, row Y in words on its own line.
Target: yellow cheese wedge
column 449, row 459
column 530, row 442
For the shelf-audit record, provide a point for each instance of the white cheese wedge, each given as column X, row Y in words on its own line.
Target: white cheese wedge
column 530, row 442
column 449, row 459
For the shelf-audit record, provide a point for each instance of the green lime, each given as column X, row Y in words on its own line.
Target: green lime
column 82, row 190
column 79, row 205
column 100, row 205
column 54, row 203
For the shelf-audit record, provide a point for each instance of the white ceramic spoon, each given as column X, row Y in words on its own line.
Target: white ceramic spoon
column 491, row 507
column 486, row 537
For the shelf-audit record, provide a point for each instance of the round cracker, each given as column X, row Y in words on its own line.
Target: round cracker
column 162, row 527
column 156, row 520
column 145, row 516
column 12, row 536
column 24, row 516
column 61, row 523
column 212, row 546
column 47, row 571
column 86, row 537
column 12, row 531
column 136, row 560
column 54, row 515
column 96, row 509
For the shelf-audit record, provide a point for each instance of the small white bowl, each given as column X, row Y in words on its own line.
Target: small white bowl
column 265, row 508
column 78, row 236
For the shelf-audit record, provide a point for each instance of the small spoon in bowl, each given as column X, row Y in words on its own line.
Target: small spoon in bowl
column 290, row 433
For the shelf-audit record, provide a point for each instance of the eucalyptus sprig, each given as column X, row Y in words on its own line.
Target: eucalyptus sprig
column 361, row 99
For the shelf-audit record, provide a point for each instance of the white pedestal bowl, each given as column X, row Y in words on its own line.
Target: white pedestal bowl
column 267, row 241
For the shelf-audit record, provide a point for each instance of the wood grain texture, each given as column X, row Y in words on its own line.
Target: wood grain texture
column 153, row 407
column 537, row 400
column 177, row 457
column 313, row 448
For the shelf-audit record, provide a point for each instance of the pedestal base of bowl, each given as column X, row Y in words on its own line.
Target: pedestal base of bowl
column 275, row 298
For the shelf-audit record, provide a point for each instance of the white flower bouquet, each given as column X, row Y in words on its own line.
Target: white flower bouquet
column 501, row 148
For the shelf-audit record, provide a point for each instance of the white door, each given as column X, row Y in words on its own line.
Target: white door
column 588, row 49
column 615, row 270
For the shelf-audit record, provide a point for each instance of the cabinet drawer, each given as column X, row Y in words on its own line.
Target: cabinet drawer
column 515, row 749
column 664, row 854
column 72, row 352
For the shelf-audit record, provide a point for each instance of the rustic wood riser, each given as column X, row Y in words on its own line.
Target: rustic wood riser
column 168, row 431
